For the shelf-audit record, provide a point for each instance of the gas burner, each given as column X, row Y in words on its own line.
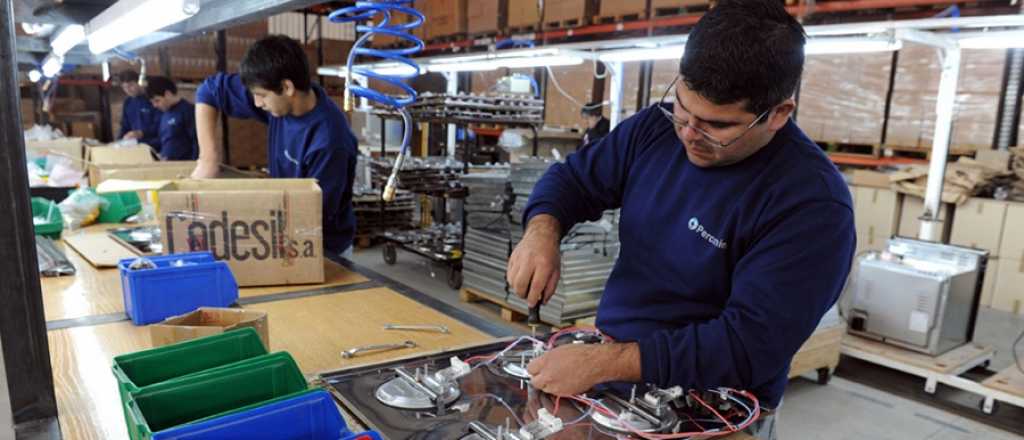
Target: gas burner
column 652, row 413
column 514, row 363
column 421, row 390
column 545, row 426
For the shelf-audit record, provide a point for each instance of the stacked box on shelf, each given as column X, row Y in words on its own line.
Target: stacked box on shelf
column 567, row 13
column 523, row 14
column 1007, row 293
column 842, row 97
column 622, row 8
column 912, row 113
column 445, row 18
column 484, row 17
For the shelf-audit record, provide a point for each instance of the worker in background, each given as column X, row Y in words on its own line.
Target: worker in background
column 736, row 231
column 177, row 121
column 597, row 124
column 139, row 120
column 308, row 137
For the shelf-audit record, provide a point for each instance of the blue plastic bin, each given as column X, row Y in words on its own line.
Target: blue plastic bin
column 311, row 415
column 152, row 295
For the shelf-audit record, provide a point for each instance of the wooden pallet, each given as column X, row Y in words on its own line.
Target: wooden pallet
column 681, row 10
column 1009, row 384
column 516, row 30
column 819, row 353
column 565, row 24
column 863, row 150
column 469, row 295
column 618, row 18
column 483, row 35
column 923, row 152
column 441, row 39
column 955, row 361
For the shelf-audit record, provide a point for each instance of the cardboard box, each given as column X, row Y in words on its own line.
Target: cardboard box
column 1009, row 294
column 523, row 14
column 913, row 208
column 484, row 17
column 559, row 12
column 998, row 159
column 1012, row 244
column 868, row 178
column 876, row 211
column 155, row 171
column 104, row 159
column 660, row 4
column 268, row 230
column 72, row 148
column 979, row 224
column 208, row 321
column 619, row 8
column 988, row 287
column 445, row 18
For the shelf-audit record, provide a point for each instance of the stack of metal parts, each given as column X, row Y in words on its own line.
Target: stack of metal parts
column 499, row 108
column 441, row 240
column 487, row 204
column 588, row 250
column 524, row 176
column 52, row 261
column 398, row 214
column 431, row 175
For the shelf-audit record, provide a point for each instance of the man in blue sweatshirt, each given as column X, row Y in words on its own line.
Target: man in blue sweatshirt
column 177, row 121
column 736, row 231
column 139, row 120
column 308, row 136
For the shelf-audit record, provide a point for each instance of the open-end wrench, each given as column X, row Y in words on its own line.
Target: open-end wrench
column 353, row 352
column 418, row 327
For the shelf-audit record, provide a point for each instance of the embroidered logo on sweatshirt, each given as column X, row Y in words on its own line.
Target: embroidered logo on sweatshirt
column 698, row 229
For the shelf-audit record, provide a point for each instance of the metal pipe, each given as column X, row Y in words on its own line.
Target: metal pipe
column 452, row 88
column 615, row 68
column 930, row 222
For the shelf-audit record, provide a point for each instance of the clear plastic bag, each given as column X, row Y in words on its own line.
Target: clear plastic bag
column 81, row 208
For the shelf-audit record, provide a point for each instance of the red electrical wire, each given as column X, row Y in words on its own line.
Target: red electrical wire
column 713, row 411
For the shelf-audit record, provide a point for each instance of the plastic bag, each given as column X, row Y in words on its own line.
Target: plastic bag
column 81, row 208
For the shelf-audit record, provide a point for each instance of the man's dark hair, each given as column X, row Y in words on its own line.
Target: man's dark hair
column 157, row 85
column 128, row 76
column 745, row 50
column 274, row 59
column 592, row 109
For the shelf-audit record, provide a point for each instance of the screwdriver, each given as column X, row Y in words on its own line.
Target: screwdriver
column 533, row 320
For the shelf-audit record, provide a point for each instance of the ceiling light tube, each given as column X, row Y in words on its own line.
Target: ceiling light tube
column 829, row 46
column 509, row 63
column 52, row 65
column 68, row 37
column 128, row 20
column 993, row 40
column 651, row 54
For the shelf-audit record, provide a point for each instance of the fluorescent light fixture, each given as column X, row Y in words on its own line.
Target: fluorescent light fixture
column 651, row 54
column 828, row 46
column 35, row 75
column 68, row 37
column 993, row 40
column 500, row 63
column 106, row 70
column 52, row 65
column 38, row 29
column 128, row 20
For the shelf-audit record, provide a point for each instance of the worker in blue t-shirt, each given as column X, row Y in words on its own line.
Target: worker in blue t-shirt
column 308, row 136
column 177, row 121
column 736, row 230
column 139, row 120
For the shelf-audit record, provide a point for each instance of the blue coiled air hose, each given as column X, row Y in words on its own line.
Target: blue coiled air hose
column 370, row 11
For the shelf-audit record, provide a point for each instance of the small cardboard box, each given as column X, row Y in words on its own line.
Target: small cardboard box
column 1008, row 294
column 208, row 321
column 484, row 16
column 103, row 159
column 876, row 211
column 979, row 224
column 155, row 171
column 523, row 13
column 268, row 230
column 1012, row 245
column 873, row 179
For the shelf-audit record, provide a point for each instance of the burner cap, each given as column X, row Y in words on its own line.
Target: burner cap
column 402, row 394
column 514, row 363
column 625, row 417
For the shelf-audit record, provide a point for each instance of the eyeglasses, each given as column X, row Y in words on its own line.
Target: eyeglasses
column 710, row 138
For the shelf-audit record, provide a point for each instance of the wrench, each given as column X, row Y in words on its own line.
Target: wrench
column 418, row 327
column 352, row 352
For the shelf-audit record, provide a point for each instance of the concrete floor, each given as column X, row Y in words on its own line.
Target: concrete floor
column 839, row 411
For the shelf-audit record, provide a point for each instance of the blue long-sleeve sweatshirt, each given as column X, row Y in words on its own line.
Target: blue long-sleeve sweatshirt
column 178, row 132
column 723, row 272
column 138, row 113
column 317, row 145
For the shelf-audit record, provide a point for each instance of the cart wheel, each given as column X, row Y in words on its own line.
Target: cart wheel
column 824, row 375
column 390, row 254
column 995, row 407
column 986, row 364
column 454, row 278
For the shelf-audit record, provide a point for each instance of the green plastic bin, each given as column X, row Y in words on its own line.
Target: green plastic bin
column 214, row 393
column 46, row 218
column 145, row 368
column 122, row 205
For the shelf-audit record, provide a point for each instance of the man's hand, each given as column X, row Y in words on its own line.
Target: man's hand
column 575, row 368
column 134, row 134
column 535, row 265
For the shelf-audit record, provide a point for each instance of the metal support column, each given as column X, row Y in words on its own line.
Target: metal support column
column 643, row 90
column 931, row 225
column 1008, row 117
column 25, row 348
column 615, row 69
column 106, row 121
column 222, row 66
column 452, row 88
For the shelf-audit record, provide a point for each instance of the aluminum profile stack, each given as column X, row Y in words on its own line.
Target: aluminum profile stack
column 524, row 176
column 485, row 204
